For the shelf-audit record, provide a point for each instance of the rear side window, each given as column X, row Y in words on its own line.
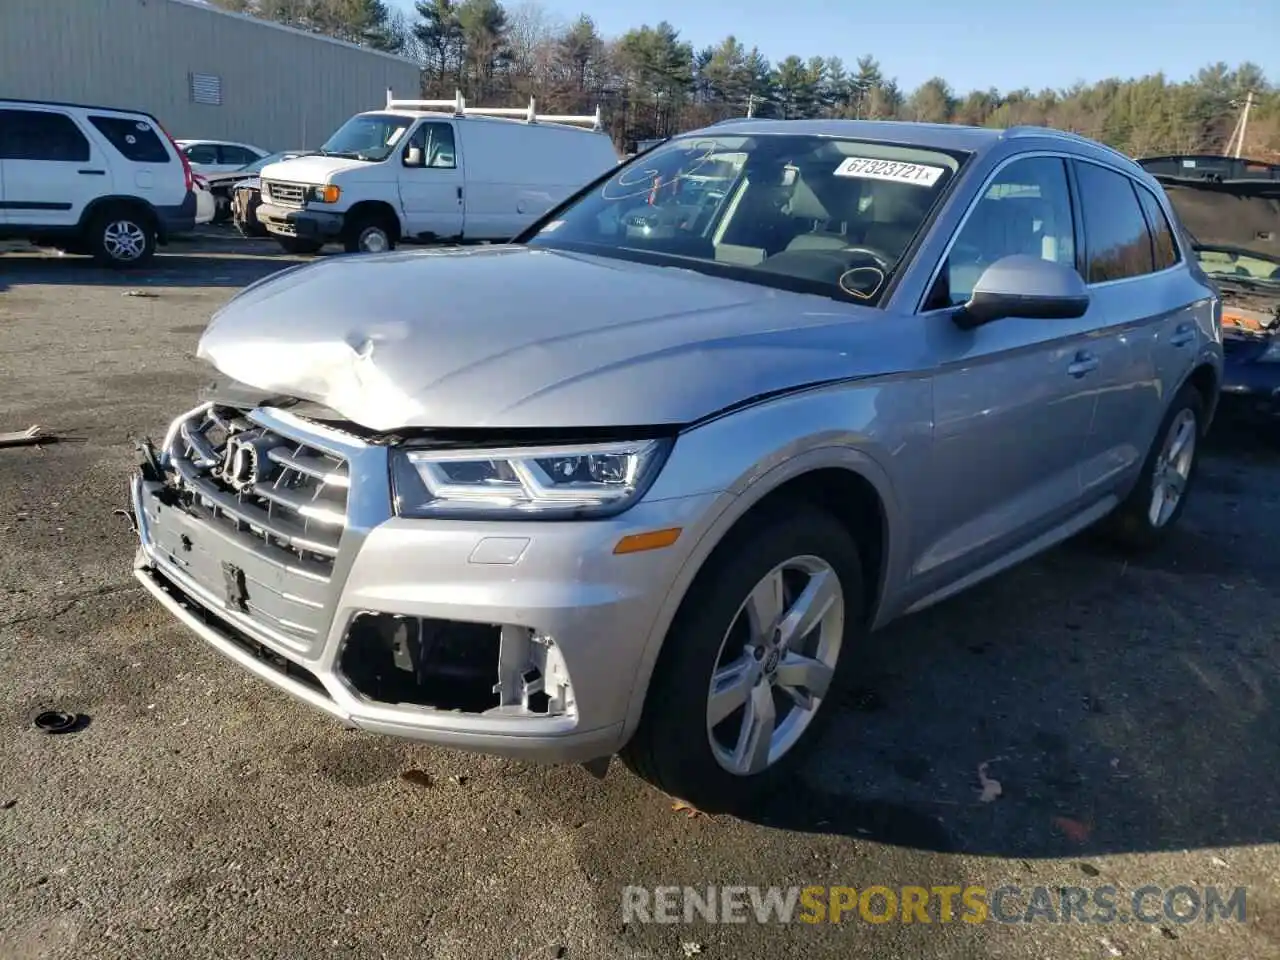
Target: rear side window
column 1115, row 230
column 41, row 135
column 237, row 155
column 135, row 139
column 1162, row 245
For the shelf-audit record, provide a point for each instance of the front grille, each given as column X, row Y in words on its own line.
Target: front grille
column 285, row 194
column 276, row 507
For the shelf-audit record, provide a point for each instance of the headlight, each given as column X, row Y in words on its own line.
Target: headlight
column 584, row 480
column 1272, row 353
column 327, row 193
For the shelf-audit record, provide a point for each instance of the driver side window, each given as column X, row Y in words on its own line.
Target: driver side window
column 1025, row 210
column 435, row 140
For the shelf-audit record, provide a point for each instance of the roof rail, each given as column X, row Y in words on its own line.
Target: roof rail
column 458, row 107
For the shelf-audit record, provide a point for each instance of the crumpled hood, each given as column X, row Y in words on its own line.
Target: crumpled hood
column 508, row 336
column 314, row 169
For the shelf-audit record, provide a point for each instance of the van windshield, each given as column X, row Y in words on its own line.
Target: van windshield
column 367, row 136
column 815, row 214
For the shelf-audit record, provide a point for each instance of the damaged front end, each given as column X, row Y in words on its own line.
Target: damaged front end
column 274, row 537
column 1235, row 230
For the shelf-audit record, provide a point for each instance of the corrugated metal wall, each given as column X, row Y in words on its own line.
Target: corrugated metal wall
column 280, row 89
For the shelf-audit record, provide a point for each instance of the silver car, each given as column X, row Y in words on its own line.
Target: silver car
column 648, row 478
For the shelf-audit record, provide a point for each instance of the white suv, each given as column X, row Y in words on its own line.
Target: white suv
column 93, row 180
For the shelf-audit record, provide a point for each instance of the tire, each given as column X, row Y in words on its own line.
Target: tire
column 370, row 233
column 1136, row 525
column 120, row 237
column 298, row 245
column 677, row 747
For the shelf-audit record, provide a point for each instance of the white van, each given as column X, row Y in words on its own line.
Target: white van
column 431, row 171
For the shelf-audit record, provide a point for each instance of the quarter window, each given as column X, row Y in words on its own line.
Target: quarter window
column 1115, row 230
column 1025, row 210
column 135, row 139
column 1162, row 244
column 41, row 135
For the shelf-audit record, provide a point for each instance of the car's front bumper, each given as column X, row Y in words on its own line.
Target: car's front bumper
column 1250, row 386
column 318, row 225
column 558, row 579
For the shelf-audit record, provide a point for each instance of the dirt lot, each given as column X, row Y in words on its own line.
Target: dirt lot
column 1131, row 714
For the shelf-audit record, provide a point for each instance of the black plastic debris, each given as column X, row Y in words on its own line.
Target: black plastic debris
column 59, row 721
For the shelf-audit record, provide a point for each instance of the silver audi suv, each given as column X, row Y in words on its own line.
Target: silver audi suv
column 648, row 478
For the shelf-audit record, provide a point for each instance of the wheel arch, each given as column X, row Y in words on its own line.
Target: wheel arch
column 847, row 482
column 124, row 201
column 373, row 208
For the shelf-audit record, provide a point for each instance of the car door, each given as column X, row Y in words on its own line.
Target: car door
column 1134, row 320
column 431, row 182
column 51, row 169
column 1012, row 405
column 203, row 157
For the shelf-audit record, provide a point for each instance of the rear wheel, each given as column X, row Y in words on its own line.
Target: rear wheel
column 121, row 238
column 760, row 645
column 370, row 233
column 1156, row 502
column 299, row 245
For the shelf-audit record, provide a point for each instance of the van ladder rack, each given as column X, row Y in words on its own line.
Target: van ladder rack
column 458, row 106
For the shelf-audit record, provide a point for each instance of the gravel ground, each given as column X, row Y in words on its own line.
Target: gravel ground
column 1128, row 712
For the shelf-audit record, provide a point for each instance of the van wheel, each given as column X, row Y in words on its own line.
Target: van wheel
column 121, row 238
column 764, row 639
column 1160, row 495
column 299, row 245
column 371, row 233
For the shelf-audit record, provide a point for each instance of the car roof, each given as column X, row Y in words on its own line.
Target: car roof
column 79, row 106
column 941, row 136
column 219, row 143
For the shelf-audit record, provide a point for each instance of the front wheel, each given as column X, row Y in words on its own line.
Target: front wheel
column 1158, row 498
column 370, row 234
column 760, row 645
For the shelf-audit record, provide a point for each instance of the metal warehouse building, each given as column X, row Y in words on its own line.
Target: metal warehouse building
column 202, row 72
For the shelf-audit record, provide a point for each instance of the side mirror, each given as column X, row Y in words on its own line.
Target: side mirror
column 1024, row 286
column 413, row 157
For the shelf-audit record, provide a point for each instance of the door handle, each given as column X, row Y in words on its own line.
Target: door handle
column 92, row 173
column 1084, row 362
column 459, row 193
column 1183, row 335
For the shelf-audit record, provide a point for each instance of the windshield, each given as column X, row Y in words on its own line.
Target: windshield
column 367, row 136
column 1228, row 264
column 807, row 213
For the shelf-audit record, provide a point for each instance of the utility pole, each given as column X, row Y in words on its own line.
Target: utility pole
column 1242, row 125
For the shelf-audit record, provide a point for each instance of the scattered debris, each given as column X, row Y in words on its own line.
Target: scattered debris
column 1089, row 870
column 990, row 787
column 460, row 780
column 8, row 804
column 419, row 778
column 687, row 809
column 1218, row 862
column 59, row 721
column 19, row 438
column 690, row 948
column 1111, row 948
column 147, row 294
column 560, row 953
column 1168, row 934
column 129, row 518
column 1073, row 830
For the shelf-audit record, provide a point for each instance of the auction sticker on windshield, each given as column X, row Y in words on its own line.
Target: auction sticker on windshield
column 896, row 171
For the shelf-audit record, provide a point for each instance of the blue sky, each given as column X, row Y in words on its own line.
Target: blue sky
column 973, row 43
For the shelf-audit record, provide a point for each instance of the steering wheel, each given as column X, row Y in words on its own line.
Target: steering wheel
column 881, row 260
